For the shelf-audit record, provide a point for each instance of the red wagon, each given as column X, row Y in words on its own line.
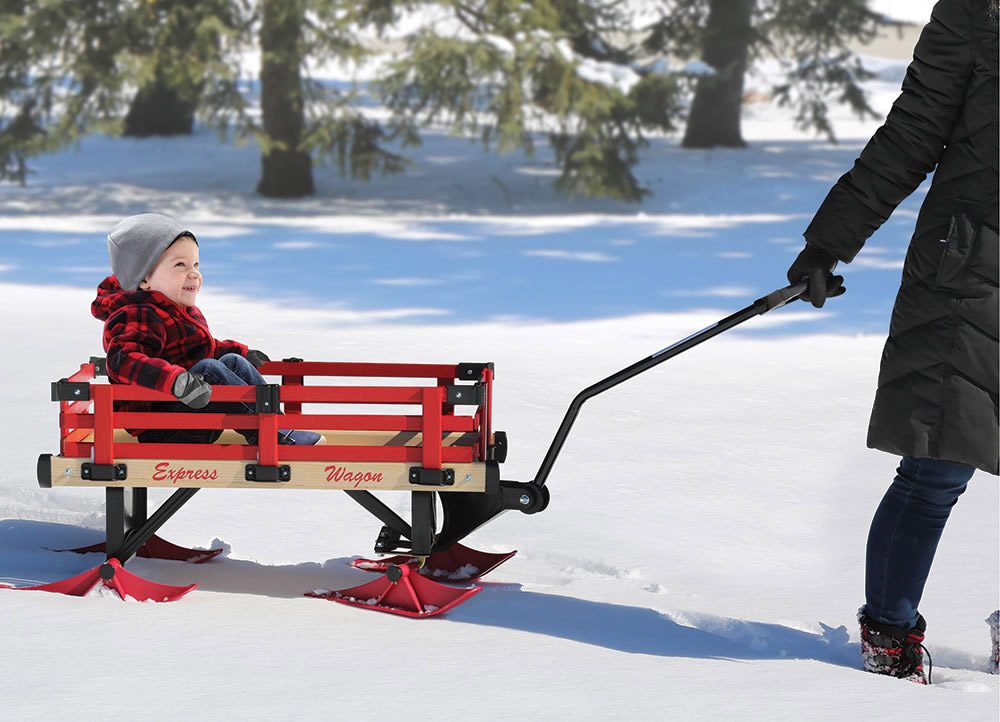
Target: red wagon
column 442, row 449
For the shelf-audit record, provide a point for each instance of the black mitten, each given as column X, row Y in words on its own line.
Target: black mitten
column 192, row 390
column 257, row 358
column 815, row 266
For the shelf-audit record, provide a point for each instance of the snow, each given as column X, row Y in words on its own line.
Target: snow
column 698, row 67
column 917, row 12
column 702, row 556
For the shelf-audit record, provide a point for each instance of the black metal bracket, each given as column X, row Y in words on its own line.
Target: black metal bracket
column 472, row 371
column 466, row 395
column 390, row 537
column 103, row 472
column 256, row 472
column 268, row 398
column 387, row 541
column 65, row 390
column 100, row 365
column 292, row 360
column 432, row 477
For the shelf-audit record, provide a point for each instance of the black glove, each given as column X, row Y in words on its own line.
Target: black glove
column 192, row 389
column 257, row 358
column 815, row 266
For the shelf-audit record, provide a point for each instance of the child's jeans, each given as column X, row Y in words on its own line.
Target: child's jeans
column 904, row 536
column 230, row 370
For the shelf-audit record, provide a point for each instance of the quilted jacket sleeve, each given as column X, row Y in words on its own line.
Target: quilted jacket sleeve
column 134, row 339
column 908, row 146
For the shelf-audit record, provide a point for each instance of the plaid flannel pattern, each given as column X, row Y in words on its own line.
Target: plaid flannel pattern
column 149, row 339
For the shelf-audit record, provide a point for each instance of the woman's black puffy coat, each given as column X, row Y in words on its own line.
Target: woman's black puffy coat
column 937, row 386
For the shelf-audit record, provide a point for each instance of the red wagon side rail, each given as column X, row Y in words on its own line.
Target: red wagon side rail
column 435, row 447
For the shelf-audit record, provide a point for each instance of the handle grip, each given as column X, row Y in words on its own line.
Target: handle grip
column 777, row 299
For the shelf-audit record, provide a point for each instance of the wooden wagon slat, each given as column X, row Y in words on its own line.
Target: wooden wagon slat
column 231, row 474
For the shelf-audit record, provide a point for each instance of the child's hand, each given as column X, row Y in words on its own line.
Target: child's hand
column 257, row 358
column 192, row 389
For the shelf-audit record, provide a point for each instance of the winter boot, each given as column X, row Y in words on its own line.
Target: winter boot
column 994, row 621
column 298, row 437
column 289, row 437
column 895, row 651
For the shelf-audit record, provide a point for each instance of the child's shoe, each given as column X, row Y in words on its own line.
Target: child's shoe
column 994, row 621
column 297, row 437
column 894, row 651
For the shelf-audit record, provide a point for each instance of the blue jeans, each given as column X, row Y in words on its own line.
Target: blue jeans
column 904, row 536
column 230, row 370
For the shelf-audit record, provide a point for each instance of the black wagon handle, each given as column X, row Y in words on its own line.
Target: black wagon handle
column 773, row 300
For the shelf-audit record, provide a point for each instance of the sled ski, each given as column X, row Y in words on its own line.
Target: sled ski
column 402, row 590
column 456, row 563
column 157, row 548
column 114, row 576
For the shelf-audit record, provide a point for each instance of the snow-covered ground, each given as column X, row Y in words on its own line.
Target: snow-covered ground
column 702, row 557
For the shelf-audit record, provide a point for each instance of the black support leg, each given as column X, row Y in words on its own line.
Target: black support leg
column 114, row 502
column 423, row 522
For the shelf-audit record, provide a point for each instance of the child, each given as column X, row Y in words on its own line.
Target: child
column 155, row 336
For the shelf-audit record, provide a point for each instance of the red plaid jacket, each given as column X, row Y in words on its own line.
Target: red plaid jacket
column 149, row 339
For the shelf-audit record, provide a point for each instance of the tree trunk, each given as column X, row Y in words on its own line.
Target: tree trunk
column 286, row 171
column 158, row 109
column 714, row 119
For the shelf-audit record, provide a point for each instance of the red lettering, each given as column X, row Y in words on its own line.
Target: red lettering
column 337, row 474
column 164, row 472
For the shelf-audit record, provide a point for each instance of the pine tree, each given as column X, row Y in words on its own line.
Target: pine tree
column 714, row 118
column 182, row 39
column 70, row 67
column 507, row 68
column 57, row 76
column 808, row 38
column 286, row 168
column 305, row 120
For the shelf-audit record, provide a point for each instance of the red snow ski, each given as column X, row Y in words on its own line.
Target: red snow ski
column 112, row 575
column 157, row 548
column 401, row 591
column 456, row 563
column 445, row 460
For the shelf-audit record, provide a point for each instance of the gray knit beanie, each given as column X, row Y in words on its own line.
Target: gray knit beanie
column 136, row 243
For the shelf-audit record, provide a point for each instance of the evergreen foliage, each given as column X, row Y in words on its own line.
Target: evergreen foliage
column 183, row 49
column 809, row 38
column 69, row 67
column 513, row 67
column 58, row 75
column 503, row 71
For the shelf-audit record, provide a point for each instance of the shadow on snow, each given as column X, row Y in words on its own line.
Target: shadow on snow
column 24, row 560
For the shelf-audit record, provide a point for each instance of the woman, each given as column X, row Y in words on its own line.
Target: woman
column 936, row 404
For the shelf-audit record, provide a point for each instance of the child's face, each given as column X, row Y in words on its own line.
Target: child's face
column 176, row 274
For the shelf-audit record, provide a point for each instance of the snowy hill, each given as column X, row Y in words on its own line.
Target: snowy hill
column 702, row 557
